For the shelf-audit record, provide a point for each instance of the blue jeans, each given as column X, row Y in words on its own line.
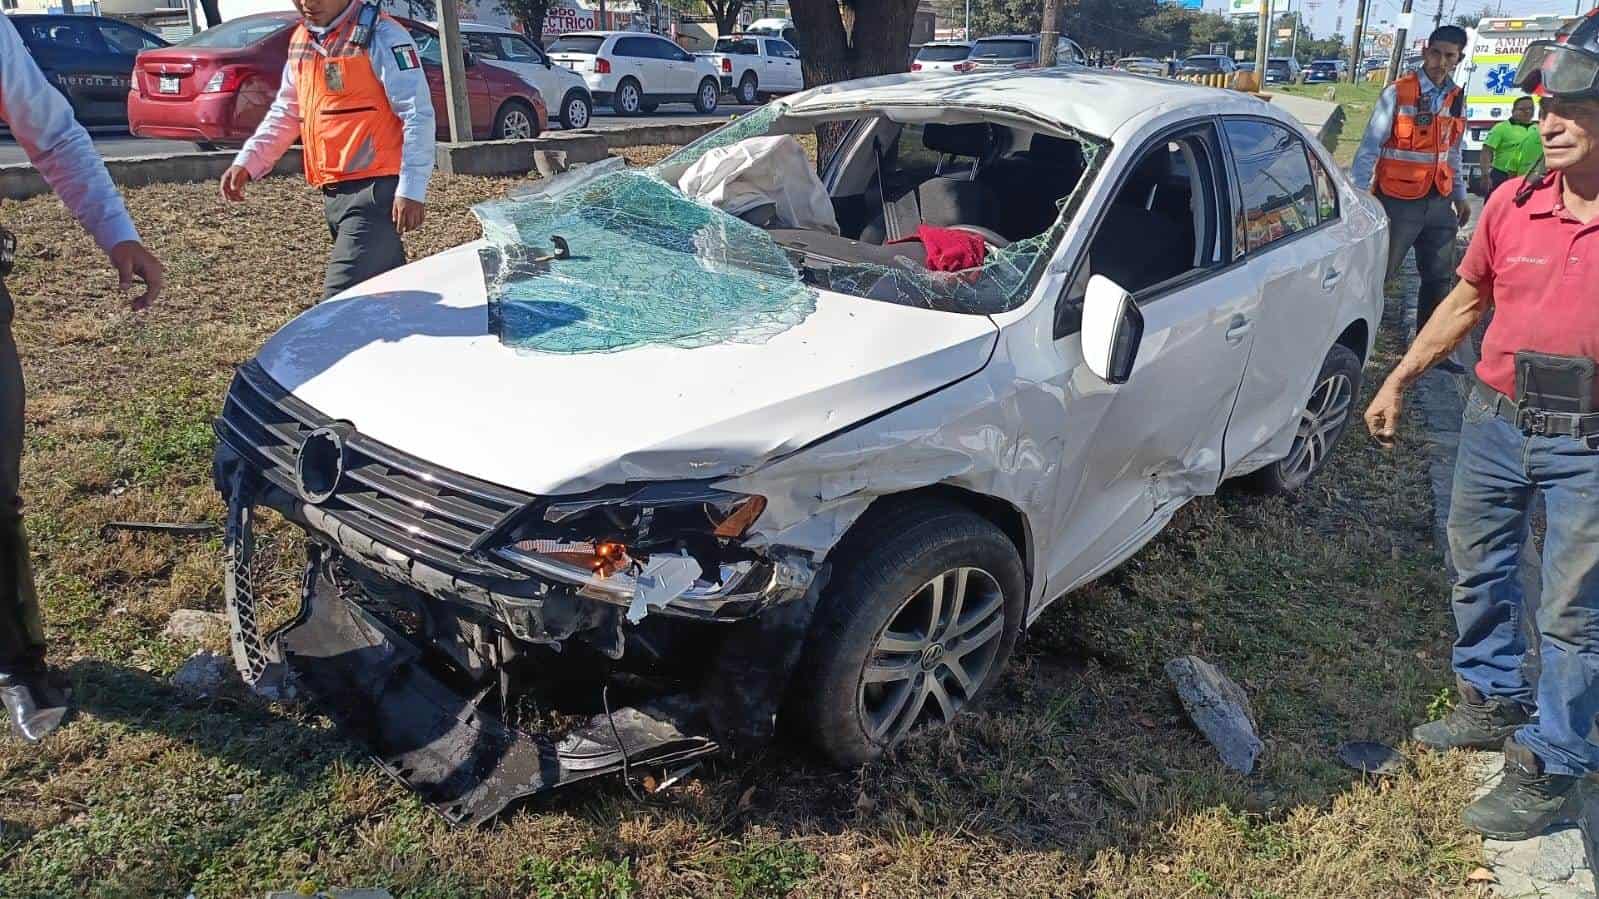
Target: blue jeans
column 1497, row 470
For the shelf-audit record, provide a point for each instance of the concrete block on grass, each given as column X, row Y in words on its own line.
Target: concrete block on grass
column 516, row 157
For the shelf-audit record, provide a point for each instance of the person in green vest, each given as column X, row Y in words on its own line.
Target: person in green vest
column 1512, row 148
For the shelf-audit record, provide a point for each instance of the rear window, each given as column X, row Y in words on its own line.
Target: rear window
column 1002, row 50
column 1324, row 65
column 1277, row 65
column 943, row 54
column 1203, row 62
column 576, row 43
column 237, row 34
column 736, row 45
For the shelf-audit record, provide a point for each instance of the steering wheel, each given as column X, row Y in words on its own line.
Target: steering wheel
column 988, row 236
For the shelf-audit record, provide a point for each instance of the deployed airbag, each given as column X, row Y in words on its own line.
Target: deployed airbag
column 763, row 170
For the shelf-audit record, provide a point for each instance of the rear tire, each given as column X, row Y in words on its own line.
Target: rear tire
column 628, row 99
column 1327, row 414
column 576, row 110
column 889, row 651
column 747, row 90
column 515, row 121
column 707, row 97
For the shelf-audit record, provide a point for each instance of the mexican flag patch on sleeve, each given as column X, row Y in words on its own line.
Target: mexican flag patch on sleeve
column 405, row 56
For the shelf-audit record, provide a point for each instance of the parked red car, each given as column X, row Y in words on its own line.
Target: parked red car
column 215, row 87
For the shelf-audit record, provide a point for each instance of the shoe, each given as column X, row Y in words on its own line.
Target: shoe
column 36, row 702
column 1477, row 722
column 1526, row 802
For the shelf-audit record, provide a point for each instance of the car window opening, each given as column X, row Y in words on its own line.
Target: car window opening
column 1165, row 220
column 742, row 261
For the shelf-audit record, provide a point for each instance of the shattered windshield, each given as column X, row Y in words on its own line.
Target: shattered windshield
column 731, row 239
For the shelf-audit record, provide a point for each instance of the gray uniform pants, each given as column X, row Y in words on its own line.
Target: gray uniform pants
column 21, row 632
column 360, row 217
column 1429, row 225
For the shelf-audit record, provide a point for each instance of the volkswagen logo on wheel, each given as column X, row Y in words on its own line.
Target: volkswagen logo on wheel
column 321, row 464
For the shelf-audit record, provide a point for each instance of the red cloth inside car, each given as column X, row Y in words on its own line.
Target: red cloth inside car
column 949, row 249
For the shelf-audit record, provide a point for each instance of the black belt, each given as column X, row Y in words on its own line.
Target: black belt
column 1538, row 422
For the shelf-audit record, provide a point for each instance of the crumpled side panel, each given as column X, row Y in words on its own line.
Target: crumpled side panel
column 647, row 266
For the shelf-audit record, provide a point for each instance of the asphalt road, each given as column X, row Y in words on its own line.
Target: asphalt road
column 113, row 145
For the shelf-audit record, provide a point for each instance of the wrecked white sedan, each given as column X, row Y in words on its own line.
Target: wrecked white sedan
column 674, row 450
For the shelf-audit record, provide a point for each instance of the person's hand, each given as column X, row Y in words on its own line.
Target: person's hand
column 233, row 182
column 1382, row 416
column 408, row 214
column 132, row 260
column 1463, row 212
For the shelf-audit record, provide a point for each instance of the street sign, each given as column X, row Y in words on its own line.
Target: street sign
column 1218, row 49
column 1243, row 7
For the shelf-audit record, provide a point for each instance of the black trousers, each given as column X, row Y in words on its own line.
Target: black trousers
column 1430, row 225
column 21, row 629
column 360, row 217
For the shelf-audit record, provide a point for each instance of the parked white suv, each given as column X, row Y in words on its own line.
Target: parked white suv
column 682, row 450
column 563, row 90
column 635, row 72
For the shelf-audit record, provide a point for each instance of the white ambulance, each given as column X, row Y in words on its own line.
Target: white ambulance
column 1489, row 70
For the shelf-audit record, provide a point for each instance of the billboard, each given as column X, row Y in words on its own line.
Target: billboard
column 1192, row 4
column 1243, row 7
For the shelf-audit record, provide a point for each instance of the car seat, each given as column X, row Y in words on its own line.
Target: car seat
column 943, row 200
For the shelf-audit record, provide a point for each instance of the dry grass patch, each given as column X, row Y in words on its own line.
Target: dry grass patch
column 1079, row 778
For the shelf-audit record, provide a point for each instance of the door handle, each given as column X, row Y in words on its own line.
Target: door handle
column 1330, row 280
column 1238, row 329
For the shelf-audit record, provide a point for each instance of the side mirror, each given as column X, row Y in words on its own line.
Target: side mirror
column 468, row 58
column 1112, row 330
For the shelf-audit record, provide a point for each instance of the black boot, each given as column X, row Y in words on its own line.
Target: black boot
column 1526, row 802
column 36, row 702
column 1477, row 722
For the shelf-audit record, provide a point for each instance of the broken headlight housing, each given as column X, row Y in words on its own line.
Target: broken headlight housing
column 604, row 541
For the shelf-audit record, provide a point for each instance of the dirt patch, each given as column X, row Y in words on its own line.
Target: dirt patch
column 1080, row 777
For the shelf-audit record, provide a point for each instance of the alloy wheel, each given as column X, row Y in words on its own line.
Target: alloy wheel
column 577, row 113
column 628, row 96
column 935, row 654
column 516, row 125
column 1319, row 426
column 708, row 97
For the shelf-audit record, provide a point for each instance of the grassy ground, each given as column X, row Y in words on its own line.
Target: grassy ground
column 1079, row 778
column 1357, row 100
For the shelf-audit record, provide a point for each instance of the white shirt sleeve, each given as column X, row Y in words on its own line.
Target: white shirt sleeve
column 278, row 131
column 1381, row 125
column 396, row 63
column 41, row 121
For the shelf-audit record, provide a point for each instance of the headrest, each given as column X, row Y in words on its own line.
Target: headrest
column 973, row 139
column 1048, row 148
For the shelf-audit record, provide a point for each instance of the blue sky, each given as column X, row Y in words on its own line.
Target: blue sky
column 1323, row 15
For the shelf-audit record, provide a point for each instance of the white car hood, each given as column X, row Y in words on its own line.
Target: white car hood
column 408, row 360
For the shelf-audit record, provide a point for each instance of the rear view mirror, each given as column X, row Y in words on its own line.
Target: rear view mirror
column 1112, row 330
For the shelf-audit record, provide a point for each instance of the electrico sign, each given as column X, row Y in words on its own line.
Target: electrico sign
column 562, row 19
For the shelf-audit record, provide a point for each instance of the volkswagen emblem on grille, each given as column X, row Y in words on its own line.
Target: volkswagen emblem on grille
column 321, row 464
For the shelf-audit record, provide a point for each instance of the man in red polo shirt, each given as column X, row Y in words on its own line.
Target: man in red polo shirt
column 1531, row 425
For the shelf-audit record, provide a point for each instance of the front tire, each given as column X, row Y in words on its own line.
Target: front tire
column 515, row 121
column 1326, row 415
column 748, row 90
column 917, row 624
column 708, row 96
column 576, row 110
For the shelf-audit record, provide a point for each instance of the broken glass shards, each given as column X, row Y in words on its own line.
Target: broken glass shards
column 646, row 266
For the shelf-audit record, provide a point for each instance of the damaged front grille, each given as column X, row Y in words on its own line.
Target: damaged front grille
column 398, row 500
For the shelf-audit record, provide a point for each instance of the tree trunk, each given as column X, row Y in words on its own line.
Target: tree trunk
column 868, row 37
column 213, row 13
column 726, row 15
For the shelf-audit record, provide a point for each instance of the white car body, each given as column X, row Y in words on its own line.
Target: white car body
column 943, row 56
column 828, row 412
column 755, row 66
column 1140, row 347
column 564, row 91
column 625, row 68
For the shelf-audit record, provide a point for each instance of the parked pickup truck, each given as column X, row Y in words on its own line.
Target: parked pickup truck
column 753, row 68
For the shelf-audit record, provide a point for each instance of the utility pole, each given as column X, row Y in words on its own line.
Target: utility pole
column 1401, row 35
column 1263, row 34
column 1293, row 49
column 966, row 33
column 1049, row 34
column 1438, row 17
column 1357, row 49
column 455, row 72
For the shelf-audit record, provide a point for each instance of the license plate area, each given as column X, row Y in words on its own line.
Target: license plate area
column 167, row 84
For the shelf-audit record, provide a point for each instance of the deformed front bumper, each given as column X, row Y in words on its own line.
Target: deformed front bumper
column 424, row 531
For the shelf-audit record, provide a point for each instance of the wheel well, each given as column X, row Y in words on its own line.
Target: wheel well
column 1356, row 337
column 749, row 75
column 997, row 512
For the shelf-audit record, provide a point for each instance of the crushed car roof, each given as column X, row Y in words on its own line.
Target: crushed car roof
column 1095, row 101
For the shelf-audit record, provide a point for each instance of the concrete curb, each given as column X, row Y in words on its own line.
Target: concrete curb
column 504, row 157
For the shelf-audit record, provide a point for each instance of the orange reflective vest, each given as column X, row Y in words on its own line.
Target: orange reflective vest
column 347, row 128
column 1415, row 158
